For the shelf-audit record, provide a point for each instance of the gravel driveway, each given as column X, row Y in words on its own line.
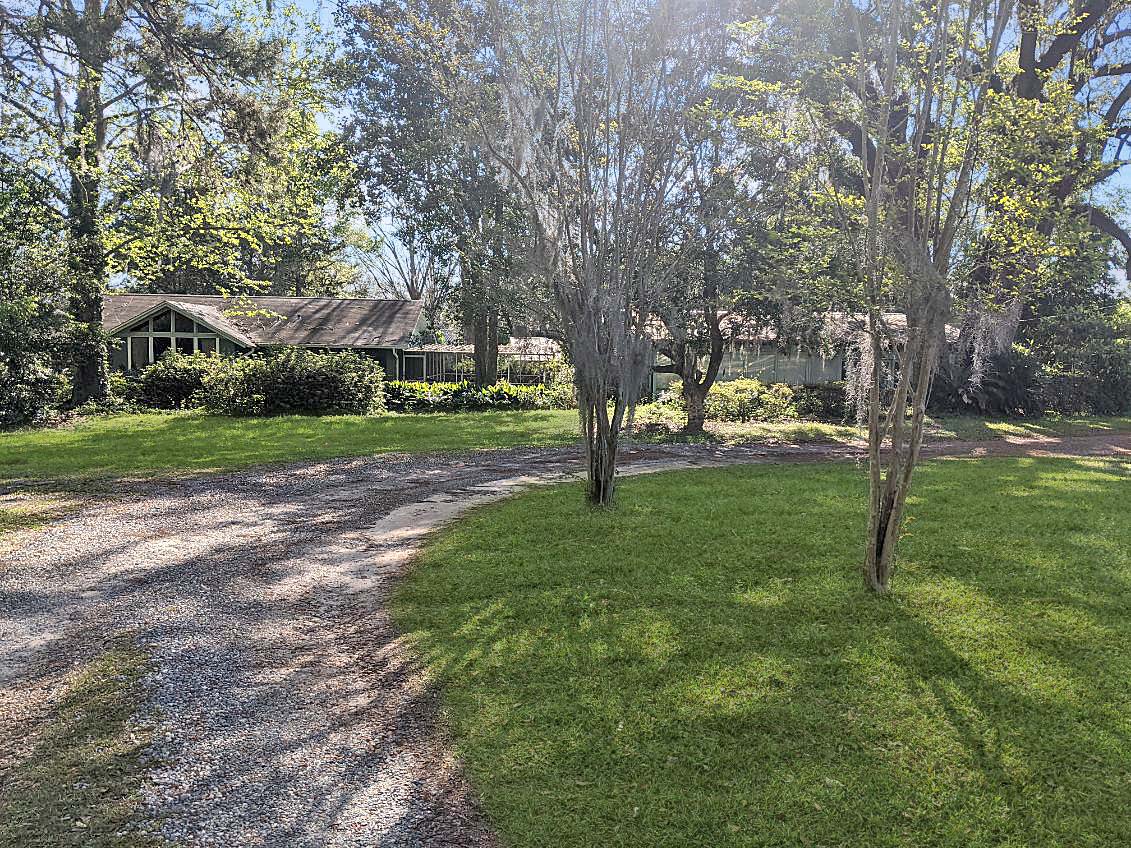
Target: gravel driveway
column 290, row 713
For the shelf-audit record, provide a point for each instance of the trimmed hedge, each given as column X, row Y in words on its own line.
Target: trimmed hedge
column 822, row 402
column 297, row 380
column 753, row 400
column 415, row 396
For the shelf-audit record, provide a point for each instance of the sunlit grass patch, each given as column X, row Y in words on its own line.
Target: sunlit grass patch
column 700, row 666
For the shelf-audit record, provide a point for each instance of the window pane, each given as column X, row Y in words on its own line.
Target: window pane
column 184, row 345
column 139, row 349
column 118, row 354
column 161, row 322
column 207, row 345
column 181, row 324
column 143, row 327
column 227, row 348
column 161, row 344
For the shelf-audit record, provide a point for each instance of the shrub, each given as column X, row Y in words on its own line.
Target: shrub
column 739, row 400
column 415, row 396
column 297, row 380
column 176, row 381
column 821, row 402
column 1010, row 385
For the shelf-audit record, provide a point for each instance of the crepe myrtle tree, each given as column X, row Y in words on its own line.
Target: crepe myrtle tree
column 913, row 97
column 599, row 142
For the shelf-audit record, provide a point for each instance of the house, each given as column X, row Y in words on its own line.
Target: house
column 145, row 326
column 758, row 352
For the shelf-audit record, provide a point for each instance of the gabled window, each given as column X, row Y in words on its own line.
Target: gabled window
column 146, row 341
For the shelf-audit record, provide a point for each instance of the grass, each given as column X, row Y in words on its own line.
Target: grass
column 970, row 428
column 964, row 428
column 700, row 666
column 155, row 443
column 77, row 783
column 174, row 443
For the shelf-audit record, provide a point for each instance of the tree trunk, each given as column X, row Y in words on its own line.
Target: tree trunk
column 889, row 492
column 481, row 322
column 600, row 449
column 695, row 399
column 86, row 249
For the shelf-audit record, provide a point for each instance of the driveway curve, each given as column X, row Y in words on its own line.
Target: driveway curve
column 288, row 711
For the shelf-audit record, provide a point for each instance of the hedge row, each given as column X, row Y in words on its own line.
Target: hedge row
column 286, row 380
column 753, row 400
column 298, row 380
column 413, row 396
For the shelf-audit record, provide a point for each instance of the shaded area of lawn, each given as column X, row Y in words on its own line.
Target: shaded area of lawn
column 174, row 442
column 939, row 428
column 701, row 667
column 75, row 776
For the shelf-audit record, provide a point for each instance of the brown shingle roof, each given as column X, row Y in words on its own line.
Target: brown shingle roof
column 304, row 321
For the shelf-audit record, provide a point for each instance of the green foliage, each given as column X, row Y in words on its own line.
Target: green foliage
column 296, row 380
column 740, row 400
column 414, row 396
column 32, row 326
column 176, row 381
column 1009, row 385
column 821, row 402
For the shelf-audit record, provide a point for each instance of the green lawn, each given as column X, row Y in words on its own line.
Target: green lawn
column 160, row 443
column 177, row 442
column 701, row 667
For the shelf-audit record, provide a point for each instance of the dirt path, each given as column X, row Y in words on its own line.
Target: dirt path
column 291, row 714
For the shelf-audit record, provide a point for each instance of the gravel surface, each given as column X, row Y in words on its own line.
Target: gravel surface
column 288, row 712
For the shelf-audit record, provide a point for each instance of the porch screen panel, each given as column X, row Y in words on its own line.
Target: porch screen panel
column 414, row 368
column 792, row 368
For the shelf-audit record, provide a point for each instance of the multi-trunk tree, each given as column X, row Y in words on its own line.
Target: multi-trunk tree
column 601, row 139
column 913, row 93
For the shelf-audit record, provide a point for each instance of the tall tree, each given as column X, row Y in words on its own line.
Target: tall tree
column 601, row 140
column 911, row 91
column 1072, row 56
column 81, row 76
column 420, row 99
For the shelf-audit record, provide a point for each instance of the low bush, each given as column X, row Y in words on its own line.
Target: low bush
column 28, row 395
column 414, row 396
column 176, row 381
column 821, row 402
column 297, row 380
column 739, row 400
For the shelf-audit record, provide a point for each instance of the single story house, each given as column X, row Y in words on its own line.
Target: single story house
column 144, row 326
column 758, row 353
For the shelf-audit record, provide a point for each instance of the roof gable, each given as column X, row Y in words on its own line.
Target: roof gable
column 302, row 321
